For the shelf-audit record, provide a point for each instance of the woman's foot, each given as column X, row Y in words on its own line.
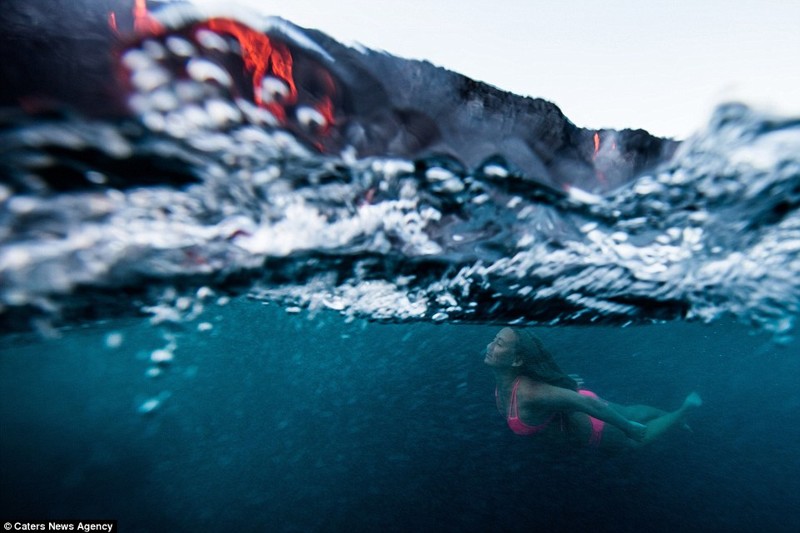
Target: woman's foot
column 693, row 400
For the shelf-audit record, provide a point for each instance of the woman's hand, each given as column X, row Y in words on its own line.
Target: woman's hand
column 636, row 431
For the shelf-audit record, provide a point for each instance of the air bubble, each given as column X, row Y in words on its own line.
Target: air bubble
column 162, row 357
column 113, row 340
column 149, row 405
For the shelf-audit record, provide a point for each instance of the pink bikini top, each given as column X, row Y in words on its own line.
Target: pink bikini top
column 512, row 415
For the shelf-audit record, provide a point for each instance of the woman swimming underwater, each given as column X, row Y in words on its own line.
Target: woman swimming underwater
column 538, row 398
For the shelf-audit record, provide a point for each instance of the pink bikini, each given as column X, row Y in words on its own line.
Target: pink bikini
column 521, row 428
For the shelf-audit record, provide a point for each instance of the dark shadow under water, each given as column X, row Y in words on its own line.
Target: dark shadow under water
column 273, row 422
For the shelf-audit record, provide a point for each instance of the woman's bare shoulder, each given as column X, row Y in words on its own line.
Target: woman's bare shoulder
column 531, row 387
column 538, row 392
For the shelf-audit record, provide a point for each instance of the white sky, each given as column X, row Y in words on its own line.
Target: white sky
column 657, row 65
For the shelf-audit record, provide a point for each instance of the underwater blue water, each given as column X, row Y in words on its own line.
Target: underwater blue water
column 272, row 421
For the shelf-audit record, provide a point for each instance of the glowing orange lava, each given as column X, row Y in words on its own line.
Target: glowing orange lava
column 596, row 144
column 143, row 23
column 262, row 57
column 326, row 108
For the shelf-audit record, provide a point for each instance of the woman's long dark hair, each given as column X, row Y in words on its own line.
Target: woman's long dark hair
column 538, row 363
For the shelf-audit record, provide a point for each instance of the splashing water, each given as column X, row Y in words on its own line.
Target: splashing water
column 305, row 180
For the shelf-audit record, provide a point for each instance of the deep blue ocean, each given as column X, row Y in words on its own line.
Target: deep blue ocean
column 272, row 421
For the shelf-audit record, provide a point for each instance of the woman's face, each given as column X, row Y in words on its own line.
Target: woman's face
column 501, row 351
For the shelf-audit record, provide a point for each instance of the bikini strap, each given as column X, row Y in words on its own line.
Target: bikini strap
column 513, row 407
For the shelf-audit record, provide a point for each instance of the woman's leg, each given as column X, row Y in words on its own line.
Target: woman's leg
column 660, row 425
column 639, row 413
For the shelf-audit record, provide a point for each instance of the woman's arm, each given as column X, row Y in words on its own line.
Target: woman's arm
column 560, row 399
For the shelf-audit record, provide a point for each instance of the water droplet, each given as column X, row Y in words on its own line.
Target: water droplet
column 494, row 170
column 22, row 205
column 189, row 91
column 452, row 186
column 179, row 46
column 210, row 40
column 204, row 292
column 154, row 121
column 176, row 125
column 162, row 100
column 137, row 60
column 583, row 197
column 222, row 113
column 255, row 114
column 514, row 202
column 311, row 119
column 204, row 70
column 435, row 174
column 274, row 90
column 96, row 177
column 590, row 226
column 153, row 49
column 196, row 117
column 148, row 79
